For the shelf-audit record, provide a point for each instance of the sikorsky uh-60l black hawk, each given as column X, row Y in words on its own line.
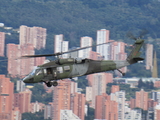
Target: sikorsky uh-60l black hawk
column 59, row 69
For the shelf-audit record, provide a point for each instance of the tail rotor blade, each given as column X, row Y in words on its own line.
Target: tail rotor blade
column 131, row 36
column 143, row 32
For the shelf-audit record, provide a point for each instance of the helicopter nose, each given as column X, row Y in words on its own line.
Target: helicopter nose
column 25, row 80
column 28, row 80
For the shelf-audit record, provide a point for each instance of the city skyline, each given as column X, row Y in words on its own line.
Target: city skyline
column 66, row 99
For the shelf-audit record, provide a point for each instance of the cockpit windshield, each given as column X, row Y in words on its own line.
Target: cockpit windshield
column 35, row 71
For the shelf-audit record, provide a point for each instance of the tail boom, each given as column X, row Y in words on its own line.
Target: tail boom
column 134, row 56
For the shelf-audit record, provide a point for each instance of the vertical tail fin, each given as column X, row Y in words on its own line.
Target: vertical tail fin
column 134, row 55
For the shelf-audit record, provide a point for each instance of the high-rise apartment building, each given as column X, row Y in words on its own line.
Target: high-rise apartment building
column 84, row 42
column 95, row 56
column 60, row 45
column 114, row 88
column 47, row 111
column 13, row 52
column 78, row 105
column 149, row 56
column 22, row 100
column 103, row 37
column 142, row 99
column 157, row 112
column 2, row 43
column 155, row 67
column 6, row 98
column 88, row 93
column 39, row 61
column 61, row 98
column 32, row 35
column 105, row 108
column 98, row 85
column 68, row 115
column 36, row 107
column 132, row 103
column 151, row 103
column 21, row 67
column 20, row 86
column 134, row 114
column 119, row 97
column 117, row 51
column 16, row 115
column 155, row 96
column 108, row 77
column 26, row 65
column 99, row 105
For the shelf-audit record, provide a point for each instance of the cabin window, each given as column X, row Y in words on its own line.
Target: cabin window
column 66, row 68
column 59, row 69
column 49, row 71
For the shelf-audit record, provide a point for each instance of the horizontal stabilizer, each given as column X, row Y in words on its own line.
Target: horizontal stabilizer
column 138, row 59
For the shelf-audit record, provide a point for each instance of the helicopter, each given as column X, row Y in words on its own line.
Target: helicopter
column 59, row 69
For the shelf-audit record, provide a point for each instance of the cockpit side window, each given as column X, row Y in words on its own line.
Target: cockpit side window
column 38, row 71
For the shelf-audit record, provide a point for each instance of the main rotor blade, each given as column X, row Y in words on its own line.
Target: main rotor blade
column 43, row 55
column 85, row 47
column 60, row 53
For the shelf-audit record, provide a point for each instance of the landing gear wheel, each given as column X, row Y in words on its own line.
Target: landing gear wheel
column 55, row 83
column 49, row 84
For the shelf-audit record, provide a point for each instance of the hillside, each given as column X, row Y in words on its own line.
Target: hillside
column 77, row 18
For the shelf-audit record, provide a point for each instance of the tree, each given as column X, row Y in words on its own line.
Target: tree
column 140, row 83
column 90, row 114
column 34, row 116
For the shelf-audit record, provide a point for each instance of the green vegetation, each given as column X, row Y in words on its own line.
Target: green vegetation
column 77, row 18
column 34, row 116
column 137, row 70
column 146, row 85
column 82, row 83
column 90, row 114
column 3, row 65
column 39, row 94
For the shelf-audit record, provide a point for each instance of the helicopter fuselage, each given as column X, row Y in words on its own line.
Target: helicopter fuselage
column 52, row 71
column 71, row 67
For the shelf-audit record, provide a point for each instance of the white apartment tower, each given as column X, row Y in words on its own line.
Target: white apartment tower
column 60, row 45
column 68, row 115
column 84, row 42
column 103, row 37
column 98, row 86
column 120, row 98
column 149, row 56
column 2, row 45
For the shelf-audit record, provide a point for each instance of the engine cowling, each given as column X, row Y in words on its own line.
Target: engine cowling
column 78, row 60
column 69, row 61
column 65, row 61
